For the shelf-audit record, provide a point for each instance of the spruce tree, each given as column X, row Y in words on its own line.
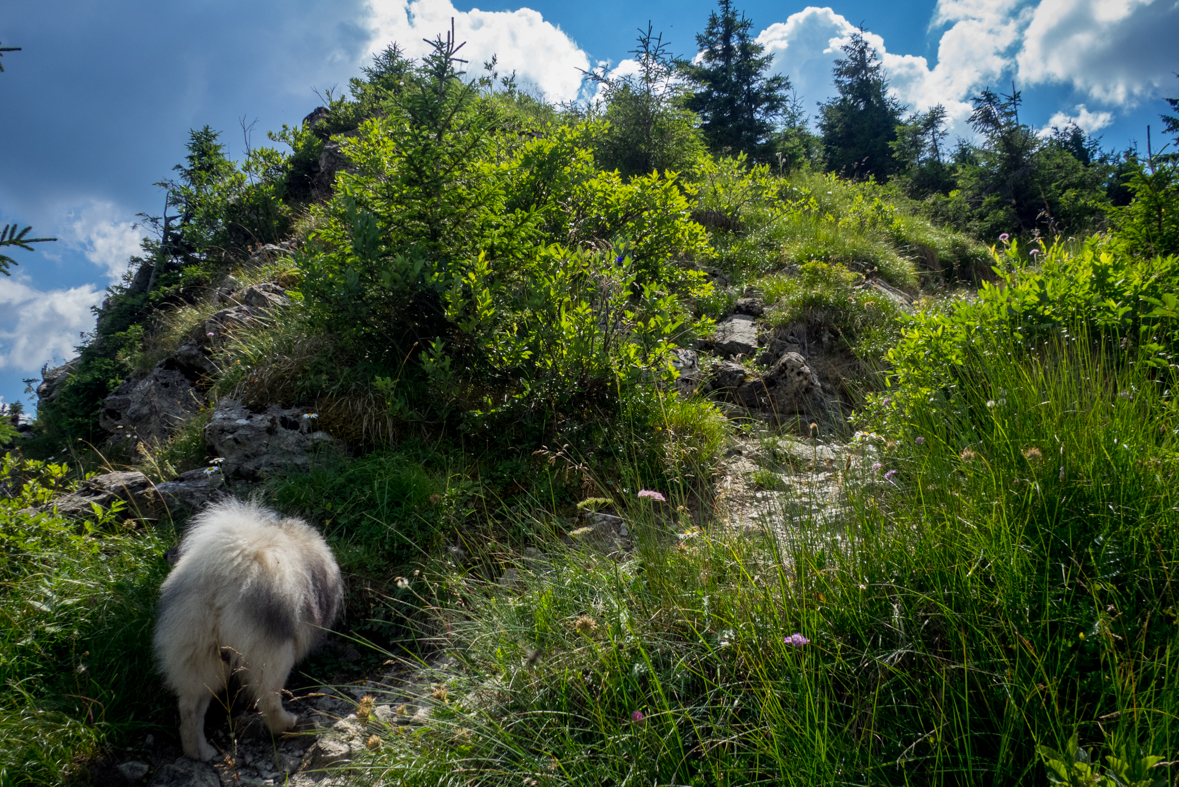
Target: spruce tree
column 859, row 126
column 738, row 104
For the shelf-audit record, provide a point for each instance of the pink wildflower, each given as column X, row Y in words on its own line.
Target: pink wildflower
column 652, row 494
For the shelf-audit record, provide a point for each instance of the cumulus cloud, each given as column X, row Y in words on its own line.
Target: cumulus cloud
column 42, row 326
column 97, row 230
column 538, row 51
column 806, row 46
column 1089, row 122
column 1116, row 51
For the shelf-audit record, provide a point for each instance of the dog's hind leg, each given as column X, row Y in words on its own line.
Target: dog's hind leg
column 192, row 726
column 268, row 689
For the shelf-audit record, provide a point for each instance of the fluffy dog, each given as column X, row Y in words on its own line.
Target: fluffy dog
column 250, row 594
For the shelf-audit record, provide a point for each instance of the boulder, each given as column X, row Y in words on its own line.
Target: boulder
column 191, row 490
column 737, row 335
column 343, row 741
column 142, row 499
column 266, row 295
column 253, row 445
column 789, row 388
column 149, row 410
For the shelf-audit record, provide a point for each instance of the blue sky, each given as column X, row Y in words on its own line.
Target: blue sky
column 98, row 105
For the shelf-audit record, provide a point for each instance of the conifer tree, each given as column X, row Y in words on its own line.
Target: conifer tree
column 859, row 126
column 738, row 104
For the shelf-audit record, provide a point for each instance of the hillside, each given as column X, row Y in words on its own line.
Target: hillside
column 716, row 474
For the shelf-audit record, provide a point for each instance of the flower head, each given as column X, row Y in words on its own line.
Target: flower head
column 1034, row 252
column 1004, row 237
column 876, row 467
column 920, row 441
column 652, row 494
column 796, row 640
column 637, row 716
column 209, row 334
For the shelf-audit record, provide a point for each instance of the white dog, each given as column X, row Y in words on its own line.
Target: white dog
column 251, row 593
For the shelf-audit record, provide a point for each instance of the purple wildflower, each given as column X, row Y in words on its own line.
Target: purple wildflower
column 1004, row 237
column 876, row 467
column 619, row 260
column 651, row 493
column 888, row 477
column 637, row 716
column 1034, row 252
column 210, row 333
column 886, row 402
column 796, row 640
column 920, row 441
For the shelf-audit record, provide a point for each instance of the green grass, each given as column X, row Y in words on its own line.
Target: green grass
column 1012, row 584
column 76, row 609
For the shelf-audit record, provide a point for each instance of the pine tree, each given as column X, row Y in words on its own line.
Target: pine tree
column 739, row 106
column 859, row 126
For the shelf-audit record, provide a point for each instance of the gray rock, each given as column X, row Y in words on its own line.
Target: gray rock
column 130, row 486
column 687, row 366
column 331, row 161
column 53, row 379
column 186, row 773
column 134, row 770
column 266, row 295
column 151, row 409
column 254, row 445
column 795, row 338
column 892, row 293
column 335, row 747
column 193, row 360
column 737, row 335
column 751, row 307
column 191, row 490
column 789, row 388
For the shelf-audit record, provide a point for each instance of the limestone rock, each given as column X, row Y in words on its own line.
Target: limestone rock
column 336, row 747
column 228, row 321
column 150, row 409
column 254, row 445
column 186, row 773
column 130, row 486
column 53, row 379
column 751, row 307
column 687, row 366
column 331, row 161
column 193, row 489
column 789, row 388
column 737, row 335
column 266, row 295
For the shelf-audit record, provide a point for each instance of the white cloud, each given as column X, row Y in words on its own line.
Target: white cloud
column 1116, row 51
column 40, row 327
column 538, row 51
column 1089, row 122
column 806, row 46
column 96, row 230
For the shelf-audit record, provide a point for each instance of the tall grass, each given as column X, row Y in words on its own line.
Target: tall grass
column 1011, row 584
column 76, row 605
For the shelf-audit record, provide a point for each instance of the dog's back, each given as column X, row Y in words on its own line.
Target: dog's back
column 251, row 593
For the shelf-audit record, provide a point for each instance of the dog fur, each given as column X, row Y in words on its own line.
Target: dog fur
column 250, row 595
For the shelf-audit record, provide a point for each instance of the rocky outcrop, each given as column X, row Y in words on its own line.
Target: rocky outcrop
column 151, row 409
column 790, row 388
column 332, row 160
column 254, row 445
column 53, row 379
column 132, row 487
